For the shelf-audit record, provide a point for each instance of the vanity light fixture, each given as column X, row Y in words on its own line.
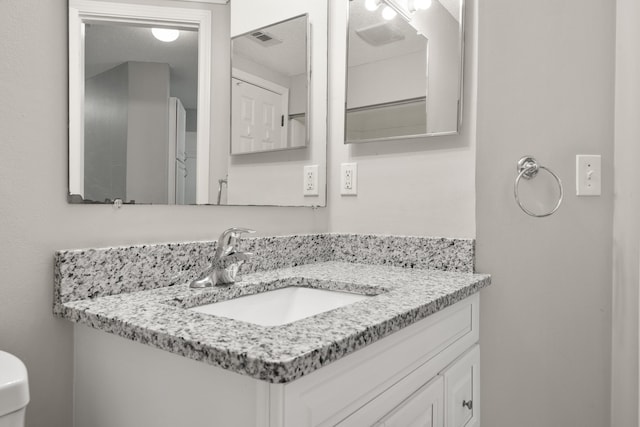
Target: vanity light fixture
column 415, row 5
column 372, row 5
column 388, row 13
column 393, row 8
column 166, row 35
column 406, row 9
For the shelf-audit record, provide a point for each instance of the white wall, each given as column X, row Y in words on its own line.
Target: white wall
column 35, row 219
column 545, row 80
column 442, row 31
column 148, row 133
column 105, row 135
column 392, row 79
column 419, row 187
column 626, row 229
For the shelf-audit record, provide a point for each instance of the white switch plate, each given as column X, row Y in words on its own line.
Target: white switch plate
column 588, row 175
column 349, row 179
column 310, row 180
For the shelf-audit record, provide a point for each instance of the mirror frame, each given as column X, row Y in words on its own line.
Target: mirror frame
column 125, row 13
column 461, row 35
column 308, row 75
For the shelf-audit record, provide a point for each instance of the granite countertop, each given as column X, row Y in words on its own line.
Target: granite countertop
column 278, row 354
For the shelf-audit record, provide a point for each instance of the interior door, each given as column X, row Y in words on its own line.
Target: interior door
column 257, row 119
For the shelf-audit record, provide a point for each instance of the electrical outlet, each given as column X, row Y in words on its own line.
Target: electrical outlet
column 310, row 180
column 588, row 175
column 349, row 179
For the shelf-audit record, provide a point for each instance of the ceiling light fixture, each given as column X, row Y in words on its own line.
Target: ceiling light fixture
column 166, row 35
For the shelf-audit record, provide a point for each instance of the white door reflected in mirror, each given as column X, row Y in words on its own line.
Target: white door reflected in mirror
column 270, row 87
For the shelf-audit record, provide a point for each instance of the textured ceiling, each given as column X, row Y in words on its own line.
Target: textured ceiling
column 107, row 46
column 288, row 57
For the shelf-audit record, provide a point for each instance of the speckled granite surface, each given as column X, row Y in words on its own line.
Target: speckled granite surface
column 90, row 273
column 278, row 354
column 404, row 251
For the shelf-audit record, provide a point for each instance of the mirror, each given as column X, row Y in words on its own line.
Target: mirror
column 404, row 69
column 270, row 88
column 138, row 103
column 150, row 120
column 132, row 85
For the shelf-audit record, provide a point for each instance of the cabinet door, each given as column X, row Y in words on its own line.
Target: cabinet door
column 462, row 390
column 424, row 408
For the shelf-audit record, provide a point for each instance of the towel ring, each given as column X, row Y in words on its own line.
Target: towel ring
column 528, row 168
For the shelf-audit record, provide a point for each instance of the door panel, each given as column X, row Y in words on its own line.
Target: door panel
column 256, row 119
column 462, row 390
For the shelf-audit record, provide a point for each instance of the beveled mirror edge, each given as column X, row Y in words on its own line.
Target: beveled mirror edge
column 308, row 75
column 80, row 11
column 460, row 106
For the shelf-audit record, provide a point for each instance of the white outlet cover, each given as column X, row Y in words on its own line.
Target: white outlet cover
column 310, row 180
column 349, row 179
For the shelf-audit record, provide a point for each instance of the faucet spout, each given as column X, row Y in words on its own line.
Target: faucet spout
column 226, row 260
column 228, row 240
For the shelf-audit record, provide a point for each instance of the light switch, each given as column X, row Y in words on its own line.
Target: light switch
column 588, row 175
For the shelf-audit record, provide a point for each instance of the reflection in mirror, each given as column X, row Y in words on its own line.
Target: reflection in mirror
column 137, row 121
column 404, row 69
column 140, row 115
column 270, row 88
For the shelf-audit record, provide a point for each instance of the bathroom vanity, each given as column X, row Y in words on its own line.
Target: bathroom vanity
column 408, row 353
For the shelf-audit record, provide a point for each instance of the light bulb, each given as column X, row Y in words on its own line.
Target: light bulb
column 422, row 4
column 388, row 13
column 165, row 34
column 371, row 4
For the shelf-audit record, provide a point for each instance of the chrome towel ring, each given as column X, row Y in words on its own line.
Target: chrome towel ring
column 528, row 168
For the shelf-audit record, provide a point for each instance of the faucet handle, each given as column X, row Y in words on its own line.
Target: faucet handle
column 228, row 240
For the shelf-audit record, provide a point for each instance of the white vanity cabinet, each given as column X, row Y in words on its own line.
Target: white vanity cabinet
column 426, row 374
column 424, row 408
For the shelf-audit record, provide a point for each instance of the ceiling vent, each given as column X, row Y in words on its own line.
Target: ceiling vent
column 264, row 39
column 380, row 34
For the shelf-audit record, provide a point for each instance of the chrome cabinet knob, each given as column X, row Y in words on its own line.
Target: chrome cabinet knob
column 468, row 404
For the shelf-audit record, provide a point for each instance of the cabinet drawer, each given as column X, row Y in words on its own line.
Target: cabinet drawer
column 462, row 390
column 424, row 408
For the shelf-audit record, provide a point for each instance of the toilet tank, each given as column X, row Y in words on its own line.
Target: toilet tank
column 14, row 390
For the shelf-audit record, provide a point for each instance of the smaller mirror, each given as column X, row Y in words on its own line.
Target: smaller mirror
column 270, row 88
column 404, row 69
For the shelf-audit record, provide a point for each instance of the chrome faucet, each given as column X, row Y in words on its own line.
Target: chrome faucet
column 226, row 261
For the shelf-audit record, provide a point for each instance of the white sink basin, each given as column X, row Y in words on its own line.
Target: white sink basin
column 280, row 306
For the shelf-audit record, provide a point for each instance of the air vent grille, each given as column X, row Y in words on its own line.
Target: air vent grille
column 380, row 34
column 264, row 38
